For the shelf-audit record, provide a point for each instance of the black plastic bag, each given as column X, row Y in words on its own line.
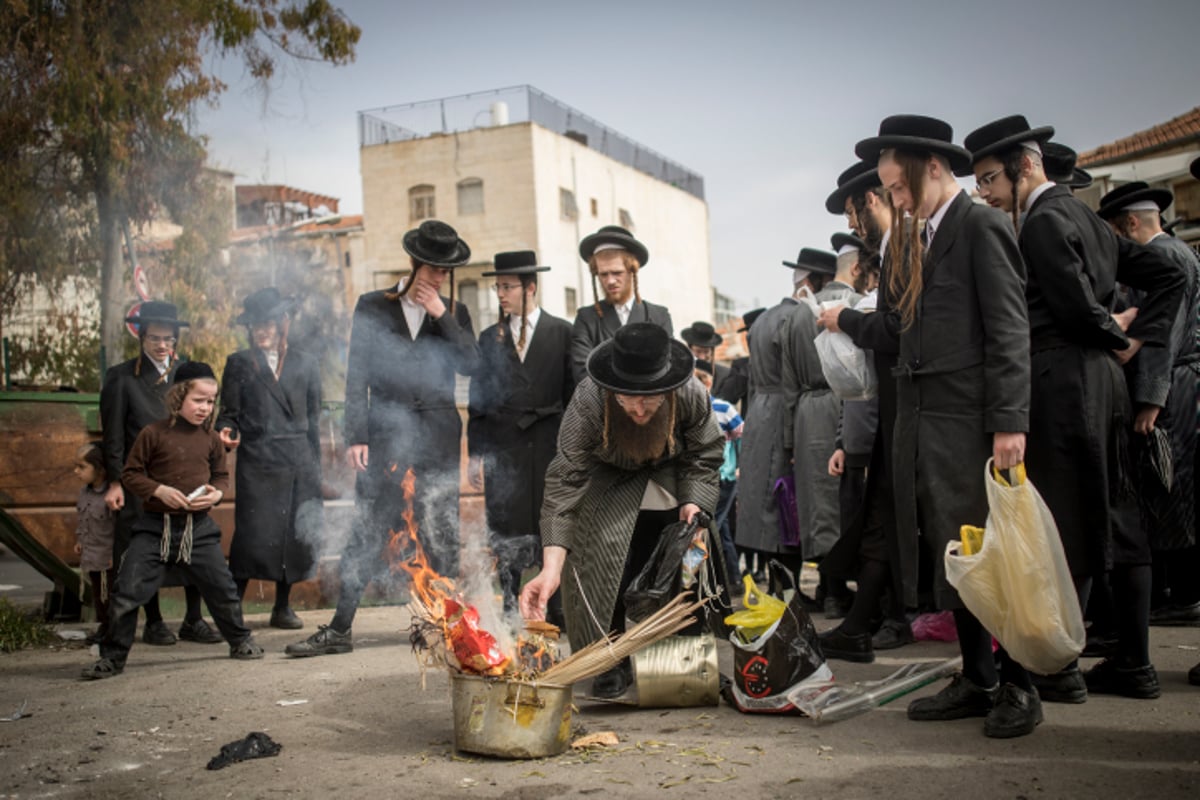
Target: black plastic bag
column 255, row 745
column 661, row 579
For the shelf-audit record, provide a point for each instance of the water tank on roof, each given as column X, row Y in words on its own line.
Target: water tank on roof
column 499, row 113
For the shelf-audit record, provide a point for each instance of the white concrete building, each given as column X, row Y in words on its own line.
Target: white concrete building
column 515, row 169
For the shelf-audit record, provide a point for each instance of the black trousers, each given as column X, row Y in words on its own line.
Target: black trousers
column 142, row 572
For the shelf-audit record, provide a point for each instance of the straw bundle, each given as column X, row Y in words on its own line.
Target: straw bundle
column 603, row 655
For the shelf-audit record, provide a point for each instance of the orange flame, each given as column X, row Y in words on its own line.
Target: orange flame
column 406, row 554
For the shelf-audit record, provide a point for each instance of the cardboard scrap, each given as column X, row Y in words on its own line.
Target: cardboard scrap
column 602, row 739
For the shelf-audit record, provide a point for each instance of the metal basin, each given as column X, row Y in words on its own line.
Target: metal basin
column 510, row 719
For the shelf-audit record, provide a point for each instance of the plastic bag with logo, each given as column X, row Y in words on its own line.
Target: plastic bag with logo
column 1018, row 584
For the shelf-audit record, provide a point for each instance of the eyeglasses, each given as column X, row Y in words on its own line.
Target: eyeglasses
column 167, row 340
column 985, row 182
column 642, row 403
column 503, row 288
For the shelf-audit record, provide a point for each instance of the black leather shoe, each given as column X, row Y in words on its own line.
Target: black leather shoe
column 199, row 631
column 612, row 684
column 286, row 618
column 958, row 700
column 1066, row 686
column 1176, row 615
column 1194, row 675
column 1107, row 677
column 326, row 641
column 1015, row 712
column 847, row 646
column 157, row 633
column 836, row 607
column 892, row 634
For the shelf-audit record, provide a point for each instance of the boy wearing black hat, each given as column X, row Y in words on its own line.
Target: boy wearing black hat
column 177, row 467
column 518, row 395
column 963, row 393
column 271, row 413
column 132, row 397
column 614, row 257
column 638, row 450
column 1077, row 404
column 703, row 340
column 1163, row 385
column 406, row 346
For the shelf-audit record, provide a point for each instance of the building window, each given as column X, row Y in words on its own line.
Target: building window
column 626, row 219
column 572, row 303
column 470, row 196
column 420, row 202
column 566, row 204
column 595, row 208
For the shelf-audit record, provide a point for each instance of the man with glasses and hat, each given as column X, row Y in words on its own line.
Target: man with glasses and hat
column 1163, row 387
column 406, row 346
column 271, row 414
column 638, row 450
column 518, row 395
column 133, row 396
column 614, row 257
column 1078, row 407
column 963, row 390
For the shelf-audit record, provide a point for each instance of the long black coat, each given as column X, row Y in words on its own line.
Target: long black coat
column 591, row 329
column 1078, row 405
column 515, row 411
column 279, row 514
column 964, row 365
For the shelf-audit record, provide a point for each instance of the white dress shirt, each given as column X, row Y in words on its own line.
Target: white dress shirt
column 514, row 325
column 624, row 310
column 1036, row 193
column 931, row 225
column 414, row 312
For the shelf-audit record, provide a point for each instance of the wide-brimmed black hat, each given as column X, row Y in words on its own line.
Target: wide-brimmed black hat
column 701, row 334
column 265, row 305
column 914, row 132
column 1059, row 161
column 855, row 180
column 157, row 311
column 748, row 319
column 640, row 359
column 515, row 262
column 193, row 370
column 437, row 244
column 1000, row 136
column 1122, row 197
column 614, row 235
column 819, row 261
column 840, row 240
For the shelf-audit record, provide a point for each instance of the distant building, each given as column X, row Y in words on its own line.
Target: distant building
column 515, row 169
column 1160, row 156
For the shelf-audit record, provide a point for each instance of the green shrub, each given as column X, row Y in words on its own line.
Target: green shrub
column 20, row 628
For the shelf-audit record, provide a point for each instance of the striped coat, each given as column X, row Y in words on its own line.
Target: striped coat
column 593, row 497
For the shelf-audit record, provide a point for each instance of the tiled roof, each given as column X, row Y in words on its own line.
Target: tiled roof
column 1181, row 129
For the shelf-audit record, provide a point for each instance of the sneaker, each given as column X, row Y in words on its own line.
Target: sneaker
column 892, row 633
column 199, row 631
column 1107, row 677
column 1065, row 686
column 104, row 668
column 1015, row 712
column 847, row 646
column 325, row 642
column 246, row 650
column 157, row 633
column 285, row 618
column 958, row 700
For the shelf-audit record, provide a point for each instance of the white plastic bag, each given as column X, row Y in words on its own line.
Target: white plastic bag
column 849, row 370
column 1018, row 584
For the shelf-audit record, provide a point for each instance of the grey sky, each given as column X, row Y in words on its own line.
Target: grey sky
column 765, row 100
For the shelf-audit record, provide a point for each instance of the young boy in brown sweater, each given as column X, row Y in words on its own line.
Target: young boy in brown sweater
column 177, row 467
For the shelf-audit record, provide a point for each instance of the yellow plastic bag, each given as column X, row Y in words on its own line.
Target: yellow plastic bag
column 761, row 611
column 1018, row 584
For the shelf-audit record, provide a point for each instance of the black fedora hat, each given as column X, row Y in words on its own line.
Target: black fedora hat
column 748, row 319
column 641, row 359
column 1122, row 197
column 840, row 240
column 914, row 132
column 614, row 235
column 264, row 305
column 437, row 244
column 813, row 260
column 701, row 334
column 515, row 262
column 853, row 181
column 193, row 370
column 1000, row 136
column 157, row 311
column 1059, row 161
